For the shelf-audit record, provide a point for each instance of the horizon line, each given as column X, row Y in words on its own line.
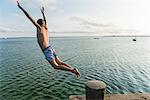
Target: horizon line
column 81, row 36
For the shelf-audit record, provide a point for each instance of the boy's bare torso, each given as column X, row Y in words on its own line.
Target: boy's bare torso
column 42, row 37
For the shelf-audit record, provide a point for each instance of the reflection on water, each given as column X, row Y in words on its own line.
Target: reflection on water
column 122, row 64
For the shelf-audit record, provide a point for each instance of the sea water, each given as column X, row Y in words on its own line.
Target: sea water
column 123, row 64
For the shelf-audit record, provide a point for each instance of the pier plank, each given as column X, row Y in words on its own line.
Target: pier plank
column 129, row 96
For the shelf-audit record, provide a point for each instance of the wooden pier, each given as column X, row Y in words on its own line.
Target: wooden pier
column 95, row 90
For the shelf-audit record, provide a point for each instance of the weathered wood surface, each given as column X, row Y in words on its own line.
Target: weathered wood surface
column 129, row 96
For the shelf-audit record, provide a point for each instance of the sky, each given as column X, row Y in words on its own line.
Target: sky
column 77, row 17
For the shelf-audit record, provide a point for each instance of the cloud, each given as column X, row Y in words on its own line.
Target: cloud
column 102, row 28
column 12, row 1
column 4, row 29
column 89, row 23
column 34, row 4
column 49, row 4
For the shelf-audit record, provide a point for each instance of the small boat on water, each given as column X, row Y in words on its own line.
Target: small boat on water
column 134, row 39
column 96, row 38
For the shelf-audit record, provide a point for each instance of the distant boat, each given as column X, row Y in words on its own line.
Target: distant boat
column 96, row 38
column 134, row 39
column 4, row 38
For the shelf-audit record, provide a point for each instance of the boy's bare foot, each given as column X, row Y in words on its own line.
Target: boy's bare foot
column 75, row 70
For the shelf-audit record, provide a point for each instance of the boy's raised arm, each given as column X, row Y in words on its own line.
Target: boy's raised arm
column 42, row 11
column 30, row 18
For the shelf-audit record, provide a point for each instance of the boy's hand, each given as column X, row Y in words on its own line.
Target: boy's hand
column 42, row 9
column 18, row 4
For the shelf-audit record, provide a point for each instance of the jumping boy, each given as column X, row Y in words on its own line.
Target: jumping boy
column 43, row 41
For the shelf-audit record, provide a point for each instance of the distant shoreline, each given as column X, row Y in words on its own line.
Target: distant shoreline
column 83, row 36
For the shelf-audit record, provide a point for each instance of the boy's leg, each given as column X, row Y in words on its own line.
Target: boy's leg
column 58, row 64
column 61, row 62
column 61, row 67
column 65, row 68
column 75, row 70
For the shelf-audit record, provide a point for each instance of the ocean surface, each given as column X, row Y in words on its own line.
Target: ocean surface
column 123, row 64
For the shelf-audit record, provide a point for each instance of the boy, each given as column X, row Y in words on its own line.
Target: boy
column 43, row 41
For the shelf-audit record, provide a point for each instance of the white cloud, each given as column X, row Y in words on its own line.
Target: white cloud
column 90, row 22
column 49, row 4
column 6, row 32
column 82, row 24
column 4, row 29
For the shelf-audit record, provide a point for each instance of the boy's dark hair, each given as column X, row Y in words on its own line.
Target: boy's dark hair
column 40, row 21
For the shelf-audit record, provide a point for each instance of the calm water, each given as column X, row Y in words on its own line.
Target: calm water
column 122, row 64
